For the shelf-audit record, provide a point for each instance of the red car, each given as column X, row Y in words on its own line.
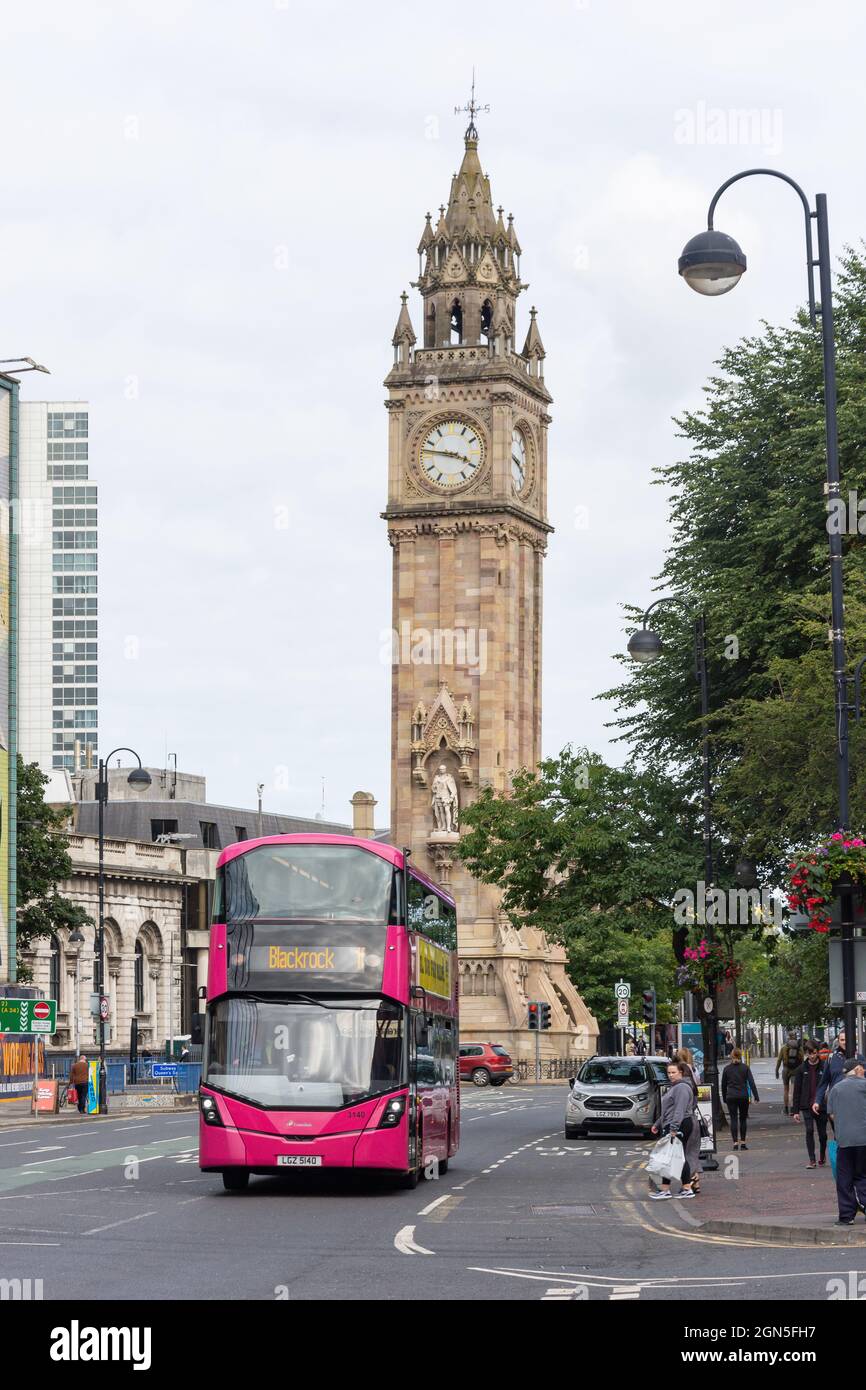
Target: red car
column 486, row 1064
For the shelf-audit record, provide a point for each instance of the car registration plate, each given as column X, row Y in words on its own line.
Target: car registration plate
column 614, row 1114
column 299, row 1160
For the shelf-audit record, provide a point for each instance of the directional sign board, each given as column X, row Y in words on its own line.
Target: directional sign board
column 28, row 1015
column 164, row 1069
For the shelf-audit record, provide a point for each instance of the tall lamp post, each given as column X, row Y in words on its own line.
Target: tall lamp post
column 138, row 777
column 76, row 940
column 712, row 264
column 645, row 647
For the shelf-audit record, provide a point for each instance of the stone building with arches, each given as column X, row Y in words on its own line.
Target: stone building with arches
column 147, row 945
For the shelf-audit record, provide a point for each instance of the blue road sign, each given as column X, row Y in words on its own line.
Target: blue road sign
column 164, row 1069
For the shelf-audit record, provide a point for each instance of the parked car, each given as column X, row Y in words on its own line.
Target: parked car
column 615, row 1093
column 487, row 1064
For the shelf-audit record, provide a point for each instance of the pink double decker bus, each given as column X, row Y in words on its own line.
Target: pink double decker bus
column 330, row 1036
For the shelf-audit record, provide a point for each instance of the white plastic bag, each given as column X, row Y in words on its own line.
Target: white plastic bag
column 667, row 1159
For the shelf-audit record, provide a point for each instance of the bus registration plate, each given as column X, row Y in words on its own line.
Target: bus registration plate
column 299, row 1160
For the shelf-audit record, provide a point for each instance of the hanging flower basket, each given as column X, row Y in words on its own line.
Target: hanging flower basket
column 705, row 965
column 815, row 873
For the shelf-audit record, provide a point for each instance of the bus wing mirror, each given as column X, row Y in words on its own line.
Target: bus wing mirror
column 197, row 1029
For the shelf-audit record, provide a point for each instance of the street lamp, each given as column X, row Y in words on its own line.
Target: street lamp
column 138, row 777
column 76, row 940
column 645, row 647
column 712, row 263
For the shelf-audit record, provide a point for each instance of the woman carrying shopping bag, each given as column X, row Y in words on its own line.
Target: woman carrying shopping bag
column 677, row 1119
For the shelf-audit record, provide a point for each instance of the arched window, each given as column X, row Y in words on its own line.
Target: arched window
column 486, row 316
column 456, row 324
column 139, row 978
column 54, row 970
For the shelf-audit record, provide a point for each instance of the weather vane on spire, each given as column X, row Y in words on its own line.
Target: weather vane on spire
column 472, row 107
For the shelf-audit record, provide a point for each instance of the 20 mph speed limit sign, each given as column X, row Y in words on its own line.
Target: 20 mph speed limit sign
column 622, row 990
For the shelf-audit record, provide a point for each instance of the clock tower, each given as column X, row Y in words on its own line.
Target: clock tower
column 467, row 519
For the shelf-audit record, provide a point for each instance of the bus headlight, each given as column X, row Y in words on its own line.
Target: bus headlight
column 208, row 1110
column 393, row 1113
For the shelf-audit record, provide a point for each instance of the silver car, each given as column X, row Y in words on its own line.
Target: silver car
column 616, row 1093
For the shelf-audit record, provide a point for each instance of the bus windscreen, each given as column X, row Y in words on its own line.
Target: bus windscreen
column 306, row 883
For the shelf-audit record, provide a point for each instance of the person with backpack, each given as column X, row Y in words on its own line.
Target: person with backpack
column 738, row 1091
column 807, row 1079
column 789, row 1059
column 79, row 1074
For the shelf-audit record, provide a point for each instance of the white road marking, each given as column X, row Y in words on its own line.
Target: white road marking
column 558, row 1295
column 95, row 1230
column 432, row 1205
column 29, row 1242
column 404, row 1241
column 623, row 1292
column 47, row 1149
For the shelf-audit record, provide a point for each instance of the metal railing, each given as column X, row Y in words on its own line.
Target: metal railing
column 554, row 1069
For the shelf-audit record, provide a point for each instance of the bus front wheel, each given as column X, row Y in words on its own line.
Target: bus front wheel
column 236, row 1179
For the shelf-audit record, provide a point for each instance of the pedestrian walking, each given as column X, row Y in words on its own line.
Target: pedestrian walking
column 738, row 1091
column 79, row 1074
column 847, row 1107
column 686, row 1058
column 789, row 1059
column 831, row 1074
column 807, row 1079
column 677, row 1118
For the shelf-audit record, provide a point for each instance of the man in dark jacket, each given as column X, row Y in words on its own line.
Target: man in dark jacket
column 847, row 1108
column 807, row 1079
column 789, row 1059
column 738, row 1089
column 832, row 1073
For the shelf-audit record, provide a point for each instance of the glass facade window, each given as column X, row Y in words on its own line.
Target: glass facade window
column 74, row 516
column 67, row 424
column 74, row 584
column 74, row 496
column 67, row 451
column 73, row 540
column 70, row 607
column 73, row 561
column 68, row 628
column 59, row 472
column 71, row 651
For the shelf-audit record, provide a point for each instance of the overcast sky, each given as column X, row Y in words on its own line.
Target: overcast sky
column 209, row 211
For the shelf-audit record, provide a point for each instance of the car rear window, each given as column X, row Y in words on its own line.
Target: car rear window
column 500, row 1051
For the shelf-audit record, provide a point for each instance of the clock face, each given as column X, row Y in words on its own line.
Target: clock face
column 518, row 460
column 451, row 453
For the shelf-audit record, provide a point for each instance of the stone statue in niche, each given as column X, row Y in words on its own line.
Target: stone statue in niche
column 446, row 806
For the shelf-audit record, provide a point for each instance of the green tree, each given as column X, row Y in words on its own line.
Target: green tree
column 43, row 861
column 749, row 547
column 795, row 988
column 591, row 855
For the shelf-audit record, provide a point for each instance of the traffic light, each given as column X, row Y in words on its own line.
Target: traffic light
column 544, row 1016
column 649, row 1006
column 532, row 1020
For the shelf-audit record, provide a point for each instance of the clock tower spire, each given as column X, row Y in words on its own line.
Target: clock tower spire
column 467, row 520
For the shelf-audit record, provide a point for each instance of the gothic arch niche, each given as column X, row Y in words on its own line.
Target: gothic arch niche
column 486, row 318
column 477, row 979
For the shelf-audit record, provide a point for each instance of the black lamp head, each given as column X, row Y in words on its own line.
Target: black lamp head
column 712, row 263
column 139, row 777
column 645, row 646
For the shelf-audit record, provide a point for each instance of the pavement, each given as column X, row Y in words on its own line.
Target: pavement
column 767, row 1192
column 116, row 1207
